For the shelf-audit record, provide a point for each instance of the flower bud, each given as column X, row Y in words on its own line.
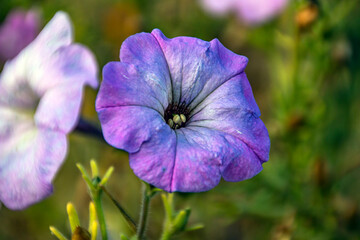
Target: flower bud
column 181, row 220
column 73, row 216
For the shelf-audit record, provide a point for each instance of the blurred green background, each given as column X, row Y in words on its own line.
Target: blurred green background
column 305, row 75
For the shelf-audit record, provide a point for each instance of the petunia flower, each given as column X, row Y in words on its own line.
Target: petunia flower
column 18, row 30
column 184, row 110
column 40, row 99
column 250, row 11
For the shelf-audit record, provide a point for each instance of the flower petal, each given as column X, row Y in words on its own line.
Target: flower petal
column 198, row 67
column 204, row 155
column 198, row 161
column 57, row 33
column 154, row 162
column 144, row 52
column 60, row 105
column 25, row 74
column 124, row 85
column 15, row 90
column 30, row 158
column 59, row 108
column 128, row 127
column 193, row 160
column 232, row 109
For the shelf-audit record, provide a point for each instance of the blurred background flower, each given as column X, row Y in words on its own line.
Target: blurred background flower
column 40, row 100
column 251, row 12
column 17, row 31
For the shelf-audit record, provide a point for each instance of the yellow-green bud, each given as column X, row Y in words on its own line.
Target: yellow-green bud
column 57, row 233
column 73, row 216
column 181, row 220
column 183, row 118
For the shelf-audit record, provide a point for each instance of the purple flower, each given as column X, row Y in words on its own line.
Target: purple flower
column 184, row 110
column 250, row 11
column 18, row 30
column 40, row 99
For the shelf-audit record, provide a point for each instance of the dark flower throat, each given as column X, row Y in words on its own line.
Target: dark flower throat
column 176, row 115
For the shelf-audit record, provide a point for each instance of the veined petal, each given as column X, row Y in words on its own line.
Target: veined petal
column 204, row 155
column 154, row 162
column 144, row 52
column 128, row 127
column 29, row 160
column 198, row 67
column 231, row 108
column 124, row 85
column 197, row 162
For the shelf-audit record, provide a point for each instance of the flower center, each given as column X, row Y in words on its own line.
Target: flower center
column 176, row 115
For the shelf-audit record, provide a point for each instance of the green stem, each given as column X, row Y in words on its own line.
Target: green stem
column 144, row 213
column 165, row 235
column 168, row 206
column 100, row 215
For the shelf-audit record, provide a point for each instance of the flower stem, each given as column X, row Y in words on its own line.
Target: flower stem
column 165, row 235
column 100, row 215
column 169, row 209
column 145, row 205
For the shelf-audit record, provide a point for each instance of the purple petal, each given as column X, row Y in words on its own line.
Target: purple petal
column 231, row 108
column 18, row 30
column 198, row 161
column 154, row 162
column 75, row 63
column 193, row 160
column 30, row 158
column 123, row 85
column 128, row 127
column 198, row 67
column 144, row 52
column 204, row 155
column 244, row 166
